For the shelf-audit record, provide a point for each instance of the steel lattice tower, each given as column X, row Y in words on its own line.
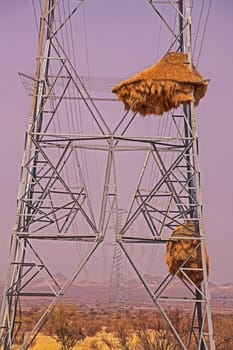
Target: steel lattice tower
column 116, row 292
column 55, row 204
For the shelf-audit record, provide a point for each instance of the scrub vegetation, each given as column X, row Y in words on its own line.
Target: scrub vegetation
column 86, row 328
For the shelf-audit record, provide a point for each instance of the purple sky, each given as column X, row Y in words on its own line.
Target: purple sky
column 108, row 38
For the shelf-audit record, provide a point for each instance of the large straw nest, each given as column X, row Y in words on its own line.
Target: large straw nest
column 163, row 86
column 180, row 249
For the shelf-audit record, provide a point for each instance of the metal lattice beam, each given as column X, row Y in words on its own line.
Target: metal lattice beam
column 57, row 202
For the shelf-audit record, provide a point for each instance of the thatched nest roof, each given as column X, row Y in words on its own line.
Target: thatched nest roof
column 163, row 86
column 178, row 250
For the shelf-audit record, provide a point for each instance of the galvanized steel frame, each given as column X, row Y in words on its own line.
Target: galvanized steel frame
column 32, row 208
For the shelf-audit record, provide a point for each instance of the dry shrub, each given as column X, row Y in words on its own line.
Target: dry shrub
column 180, row 249
column 223, row 331
column 64, row 326
column 163, row 86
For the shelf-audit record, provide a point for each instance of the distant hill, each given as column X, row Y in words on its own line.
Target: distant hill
column 133, row 292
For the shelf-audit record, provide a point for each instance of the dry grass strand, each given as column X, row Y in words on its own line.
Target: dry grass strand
column 163, row 86
column 179, row 249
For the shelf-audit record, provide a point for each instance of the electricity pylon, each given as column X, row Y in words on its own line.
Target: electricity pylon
column 154, row 176
column 117, row 288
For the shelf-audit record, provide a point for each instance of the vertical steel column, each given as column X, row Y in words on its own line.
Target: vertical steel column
column 10, row 304
column 196, row 194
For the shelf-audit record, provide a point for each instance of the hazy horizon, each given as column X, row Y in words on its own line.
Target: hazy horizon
column 117, row 53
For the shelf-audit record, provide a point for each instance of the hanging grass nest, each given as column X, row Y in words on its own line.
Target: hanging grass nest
column 163, row 86
column 178, row 250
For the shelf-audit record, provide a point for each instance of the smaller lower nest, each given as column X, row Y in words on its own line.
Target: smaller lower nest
column 163, row 86
column 178, row 250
